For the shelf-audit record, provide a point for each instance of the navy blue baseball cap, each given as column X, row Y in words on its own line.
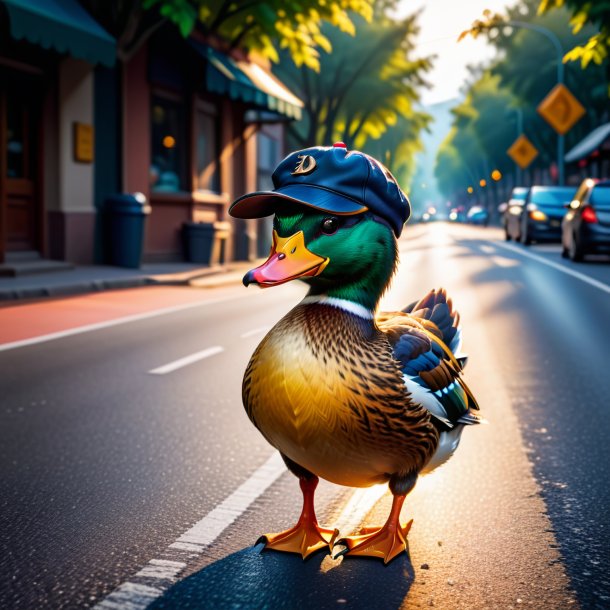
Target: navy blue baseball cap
column 330, row 179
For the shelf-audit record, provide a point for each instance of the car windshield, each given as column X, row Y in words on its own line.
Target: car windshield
column 600, row 196
column 519, row 194
column 552, row 196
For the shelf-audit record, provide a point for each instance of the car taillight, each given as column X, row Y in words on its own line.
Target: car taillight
column 588, row 215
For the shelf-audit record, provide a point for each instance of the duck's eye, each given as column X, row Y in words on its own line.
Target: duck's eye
column 330, row 225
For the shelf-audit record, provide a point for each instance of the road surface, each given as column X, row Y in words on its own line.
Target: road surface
column 129, row 473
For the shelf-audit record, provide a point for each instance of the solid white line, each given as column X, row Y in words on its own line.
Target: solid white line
column 581, row 276
column 214, row 523
column 256, row 331
column 137, row 596
column 181, row 362
column 107, row 324
column 357, row 508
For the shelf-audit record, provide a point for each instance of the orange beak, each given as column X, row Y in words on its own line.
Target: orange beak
column 289, row 259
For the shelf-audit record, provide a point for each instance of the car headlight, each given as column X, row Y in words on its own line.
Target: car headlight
column 537, row 215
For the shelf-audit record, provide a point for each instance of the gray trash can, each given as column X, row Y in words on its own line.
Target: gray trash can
column 126, row 218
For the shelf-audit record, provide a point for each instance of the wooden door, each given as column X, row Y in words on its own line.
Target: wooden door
column 19, row 135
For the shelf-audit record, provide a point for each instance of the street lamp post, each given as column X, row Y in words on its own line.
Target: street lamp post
column 560, row 77
column 519, row 113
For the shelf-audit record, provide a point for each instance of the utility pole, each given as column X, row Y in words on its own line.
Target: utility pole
column 560, row 78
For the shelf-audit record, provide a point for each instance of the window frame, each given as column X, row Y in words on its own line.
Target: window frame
column 204, row 105
column 181, row 101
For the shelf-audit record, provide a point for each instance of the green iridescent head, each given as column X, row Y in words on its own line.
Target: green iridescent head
column 351, row 256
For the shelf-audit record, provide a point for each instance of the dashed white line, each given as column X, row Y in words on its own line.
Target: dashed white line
column 255, row 331
column 108, row 323
column 567, row 270
column 162, row 568
column 137, row 596
column 182, row 362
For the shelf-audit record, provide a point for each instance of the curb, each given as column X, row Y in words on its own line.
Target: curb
column 211, row 277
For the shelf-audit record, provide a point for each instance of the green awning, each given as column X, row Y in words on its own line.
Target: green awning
column 63, row 25
column 247, row 82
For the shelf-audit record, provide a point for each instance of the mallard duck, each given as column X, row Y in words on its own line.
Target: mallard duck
column 346, row 393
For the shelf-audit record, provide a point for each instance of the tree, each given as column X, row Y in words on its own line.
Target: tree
column 265, row 26
column 526, row 66
column 365, row 92
column 478, row 139
column 584, row 12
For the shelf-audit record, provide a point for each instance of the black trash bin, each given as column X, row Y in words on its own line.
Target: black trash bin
column 125, row 222
column 198, row 241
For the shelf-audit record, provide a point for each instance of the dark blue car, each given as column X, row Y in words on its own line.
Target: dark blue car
column 543, row 212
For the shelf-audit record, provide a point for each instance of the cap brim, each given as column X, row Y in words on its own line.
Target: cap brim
column 266, row 203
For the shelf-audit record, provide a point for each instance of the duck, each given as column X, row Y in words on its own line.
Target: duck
column 344, row 392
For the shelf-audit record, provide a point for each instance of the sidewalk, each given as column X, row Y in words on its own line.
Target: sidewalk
column 85, row 279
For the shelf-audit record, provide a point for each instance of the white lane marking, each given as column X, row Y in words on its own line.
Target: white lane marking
column 567, row 270
column 162, row 568
column 130, row 596
column 255, row 331
column 137, row 596
column 108, row 323
column 487, row 249
column 182, row 362
column 357, row 508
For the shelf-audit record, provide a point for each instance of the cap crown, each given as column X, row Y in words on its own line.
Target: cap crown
column 354, row 175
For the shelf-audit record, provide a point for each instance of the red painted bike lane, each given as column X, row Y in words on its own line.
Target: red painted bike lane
column 26, row 321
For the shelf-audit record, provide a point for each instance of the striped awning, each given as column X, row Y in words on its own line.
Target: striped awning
column 63, row 25
column 247, row 82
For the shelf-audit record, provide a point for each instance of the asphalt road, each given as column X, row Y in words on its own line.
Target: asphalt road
column 108, row 456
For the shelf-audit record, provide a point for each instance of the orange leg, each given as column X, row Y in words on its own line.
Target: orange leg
column 306, row 536
column 385, row 542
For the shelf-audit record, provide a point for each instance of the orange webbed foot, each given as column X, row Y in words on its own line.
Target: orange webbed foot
column 304, row 538
column 385, row 542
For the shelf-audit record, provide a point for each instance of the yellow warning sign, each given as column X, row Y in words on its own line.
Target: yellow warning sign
column 522, row 151
column 560, row 109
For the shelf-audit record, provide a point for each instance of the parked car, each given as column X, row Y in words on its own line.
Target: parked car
column 586, row 225
column 457, row 214
column 512, row 210
column 541, row 216
column 477, row 215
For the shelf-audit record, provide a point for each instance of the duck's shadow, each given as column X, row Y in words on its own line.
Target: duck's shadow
column 254, row 579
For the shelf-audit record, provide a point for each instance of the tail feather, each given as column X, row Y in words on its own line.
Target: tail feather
column 438, row 309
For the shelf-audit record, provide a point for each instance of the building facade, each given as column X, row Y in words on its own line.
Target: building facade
column 185, row 122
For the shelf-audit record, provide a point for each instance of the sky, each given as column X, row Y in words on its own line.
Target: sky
column 441, row 22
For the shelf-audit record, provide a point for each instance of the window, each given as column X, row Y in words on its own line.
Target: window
column 267, row 159
column 207, row 150
column 169, row 146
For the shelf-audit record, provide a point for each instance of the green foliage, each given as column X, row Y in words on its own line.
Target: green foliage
column 596, row 13
column 267, row 26
column 482, row 131
column 521, row 76
column 365, row 92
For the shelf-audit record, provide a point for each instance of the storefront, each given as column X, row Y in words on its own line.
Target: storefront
column 188, row 123
column 191, row 121
column 48, row 50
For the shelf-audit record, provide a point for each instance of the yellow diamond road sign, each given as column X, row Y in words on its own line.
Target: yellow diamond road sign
column 522, row 152
column 561, row 109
